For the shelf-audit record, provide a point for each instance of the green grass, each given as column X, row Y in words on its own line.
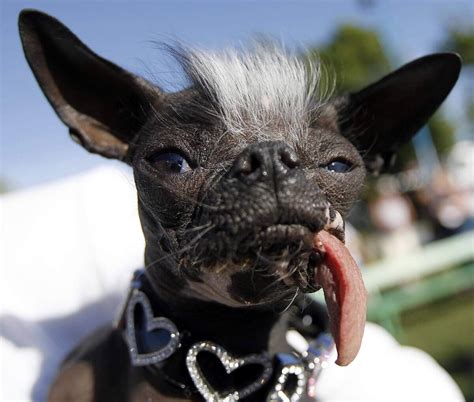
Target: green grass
column 445, row 330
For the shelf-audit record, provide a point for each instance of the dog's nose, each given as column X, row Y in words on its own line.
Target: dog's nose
column 259, row 161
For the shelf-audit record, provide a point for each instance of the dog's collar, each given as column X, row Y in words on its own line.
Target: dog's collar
column 151, row 340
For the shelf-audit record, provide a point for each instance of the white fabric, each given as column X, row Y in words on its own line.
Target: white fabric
column 386, row 371
column 68, row 250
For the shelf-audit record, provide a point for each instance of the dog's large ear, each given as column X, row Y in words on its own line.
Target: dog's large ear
column 103, row 105
column 383, row 116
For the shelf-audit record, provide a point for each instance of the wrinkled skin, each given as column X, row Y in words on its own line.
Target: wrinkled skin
column 222, row 212
column 229, row 241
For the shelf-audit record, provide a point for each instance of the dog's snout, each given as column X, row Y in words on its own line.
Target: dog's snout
column 261, row 160
column 287, row 158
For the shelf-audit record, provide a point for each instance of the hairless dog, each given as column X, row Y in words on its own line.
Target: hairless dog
column 244, row 179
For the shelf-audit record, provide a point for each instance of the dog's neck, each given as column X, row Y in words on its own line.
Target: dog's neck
column 241, row 331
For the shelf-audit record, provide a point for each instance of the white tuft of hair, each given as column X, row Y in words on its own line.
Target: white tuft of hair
column 263, row 92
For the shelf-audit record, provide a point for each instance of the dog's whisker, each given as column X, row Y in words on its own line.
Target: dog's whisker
column 290, row 303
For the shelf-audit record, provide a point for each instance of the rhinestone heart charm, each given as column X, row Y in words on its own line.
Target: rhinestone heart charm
column 290, row 366
column 230, row 364
column 153, row 326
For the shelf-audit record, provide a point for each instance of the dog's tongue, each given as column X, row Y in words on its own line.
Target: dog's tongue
column 345, row 296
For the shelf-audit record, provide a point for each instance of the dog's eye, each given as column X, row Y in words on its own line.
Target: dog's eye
column 339, row 166
column 170, row 162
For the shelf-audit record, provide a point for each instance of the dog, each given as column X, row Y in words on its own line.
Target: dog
column 243, row 180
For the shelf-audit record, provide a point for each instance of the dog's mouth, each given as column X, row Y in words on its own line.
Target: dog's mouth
column 281, row 252
column 274, row 261
column 291, row 254
column 287, row 252
column 275, row 235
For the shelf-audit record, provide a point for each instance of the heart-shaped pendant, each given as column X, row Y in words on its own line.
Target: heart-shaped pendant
column 153, row 326
column 289, row 366
column 230, row 364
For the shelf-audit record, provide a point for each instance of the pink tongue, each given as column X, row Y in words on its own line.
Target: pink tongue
column 345, row 296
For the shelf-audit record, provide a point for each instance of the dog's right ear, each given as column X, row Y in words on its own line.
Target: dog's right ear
column 103, row 105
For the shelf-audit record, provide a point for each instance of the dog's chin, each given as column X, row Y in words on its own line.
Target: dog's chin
column 286, row 252
column 268, row 268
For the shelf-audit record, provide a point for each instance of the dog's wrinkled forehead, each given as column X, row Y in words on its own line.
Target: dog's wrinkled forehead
column 263, row 92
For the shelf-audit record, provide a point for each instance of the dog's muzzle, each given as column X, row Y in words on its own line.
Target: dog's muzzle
column 263, row 214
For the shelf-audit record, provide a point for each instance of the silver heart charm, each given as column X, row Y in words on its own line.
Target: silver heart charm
column 290, row 366
column 152, row 324
column 230, row 364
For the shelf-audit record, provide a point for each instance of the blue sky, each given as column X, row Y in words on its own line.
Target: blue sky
column 35, row 147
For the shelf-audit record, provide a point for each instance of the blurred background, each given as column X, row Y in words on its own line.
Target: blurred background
column 413, row 232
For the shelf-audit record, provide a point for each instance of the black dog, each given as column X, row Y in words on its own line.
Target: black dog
column 240, row 177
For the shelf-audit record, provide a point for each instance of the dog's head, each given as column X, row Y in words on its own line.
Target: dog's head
column 236, row 173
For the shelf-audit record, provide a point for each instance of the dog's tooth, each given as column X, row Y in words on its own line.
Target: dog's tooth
column 336, row 224
column 327, row 215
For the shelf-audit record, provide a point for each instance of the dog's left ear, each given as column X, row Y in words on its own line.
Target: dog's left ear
column 383, row 116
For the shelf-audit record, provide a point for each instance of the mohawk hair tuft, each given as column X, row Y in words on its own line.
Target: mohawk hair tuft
column 262, row 91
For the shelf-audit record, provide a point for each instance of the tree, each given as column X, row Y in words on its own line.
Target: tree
column 4, row 188
column 443, row 133
column 461, row 40
column 354, row 56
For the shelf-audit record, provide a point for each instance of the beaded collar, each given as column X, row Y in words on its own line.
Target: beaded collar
column 157, row 338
